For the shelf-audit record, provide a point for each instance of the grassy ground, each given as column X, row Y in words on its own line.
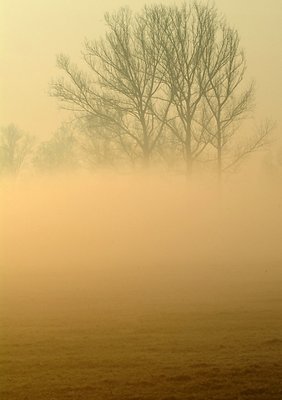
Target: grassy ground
column 204, row 350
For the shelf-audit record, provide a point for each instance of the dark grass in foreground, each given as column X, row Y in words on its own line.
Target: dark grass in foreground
column 192, row 351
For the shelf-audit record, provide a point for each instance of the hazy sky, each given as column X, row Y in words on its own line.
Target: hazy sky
column 33, row 31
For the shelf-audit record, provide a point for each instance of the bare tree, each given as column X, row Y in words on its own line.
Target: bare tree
column 122, row 93
column 164, row 80
column 15, row 147
column 227, row 99
column 184, row 34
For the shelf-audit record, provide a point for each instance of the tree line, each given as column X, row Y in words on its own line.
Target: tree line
column 166, row 85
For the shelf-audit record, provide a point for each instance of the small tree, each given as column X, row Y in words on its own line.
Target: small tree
column 58, row 153
column 97, row 145
column 15, row 148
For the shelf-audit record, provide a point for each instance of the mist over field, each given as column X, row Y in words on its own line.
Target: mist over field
column 138, row 233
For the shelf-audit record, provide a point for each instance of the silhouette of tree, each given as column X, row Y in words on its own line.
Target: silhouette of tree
column 165, row 80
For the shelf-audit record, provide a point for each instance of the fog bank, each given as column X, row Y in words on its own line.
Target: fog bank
column 111, row 236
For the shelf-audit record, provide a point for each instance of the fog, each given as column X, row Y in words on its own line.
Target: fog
column 117, row 240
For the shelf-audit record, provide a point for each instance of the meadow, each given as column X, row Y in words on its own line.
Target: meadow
column 129, row 347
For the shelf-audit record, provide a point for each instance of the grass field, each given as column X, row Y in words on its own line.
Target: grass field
column 221, row 345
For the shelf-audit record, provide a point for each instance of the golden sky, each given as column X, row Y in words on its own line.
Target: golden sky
column 32, row 32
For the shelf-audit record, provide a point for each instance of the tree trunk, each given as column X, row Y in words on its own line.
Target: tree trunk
column 188, row 150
